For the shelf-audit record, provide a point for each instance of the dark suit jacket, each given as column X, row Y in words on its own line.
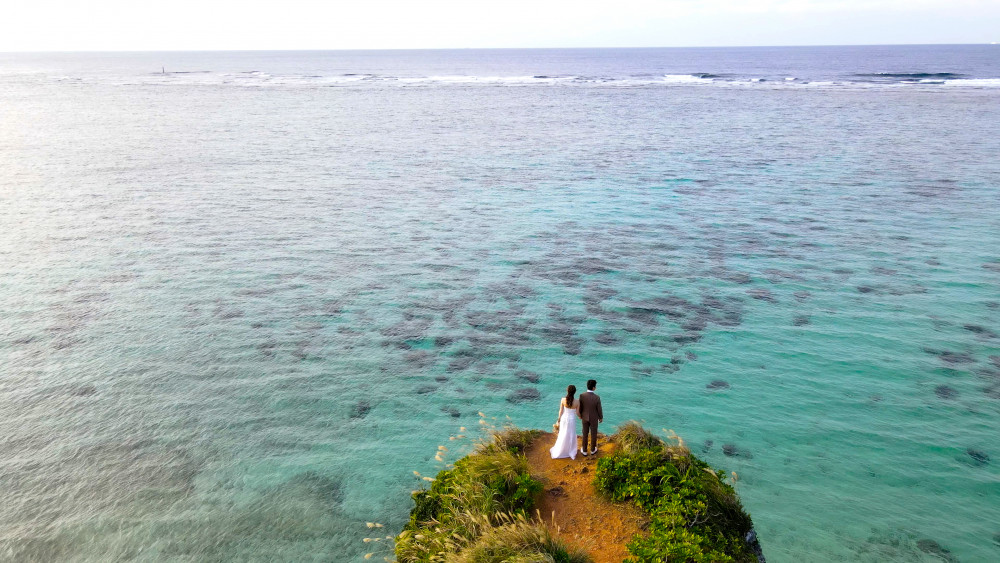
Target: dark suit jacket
column 590, row 407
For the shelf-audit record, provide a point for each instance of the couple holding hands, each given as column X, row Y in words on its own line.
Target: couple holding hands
column 586, row 408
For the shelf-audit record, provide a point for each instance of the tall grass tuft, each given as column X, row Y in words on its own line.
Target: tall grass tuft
column 509, row 438
column 479, row 511
column 520, row 541
column 631, row 438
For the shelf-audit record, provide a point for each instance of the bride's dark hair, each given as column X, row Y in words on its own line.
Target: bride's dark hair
column 570, row 391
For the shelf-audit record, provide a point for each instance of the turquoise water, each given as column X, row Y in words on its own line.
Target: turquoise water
column 236, row 319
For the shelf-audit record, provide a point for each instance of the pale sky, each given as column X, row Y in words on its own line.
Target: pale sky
column 125, row 25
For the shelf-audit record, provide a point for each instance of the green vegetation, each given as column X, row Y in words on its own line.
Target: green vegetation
column 509, row 439
column 479, row 512
column 519, row 541
column 694, row 515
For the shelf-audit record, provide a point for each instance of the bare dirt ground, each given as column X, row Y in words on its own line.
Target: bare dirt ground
column 573, row 509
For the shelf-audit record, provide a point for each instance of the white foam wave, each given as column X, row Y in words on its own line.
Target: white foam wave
column 685, row 79
column 467, row 79
column 261, row 79
column 974, row 82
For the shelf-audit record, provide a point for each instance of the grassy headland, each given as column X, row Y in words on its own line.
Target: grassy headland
column 483, row 510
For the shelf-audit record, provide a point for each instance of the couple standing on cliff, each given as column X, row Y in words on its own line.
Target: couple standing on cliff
column 588, row 409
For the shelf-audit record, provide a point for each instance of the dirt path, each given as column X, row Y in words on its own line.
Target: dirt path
column 582, row 517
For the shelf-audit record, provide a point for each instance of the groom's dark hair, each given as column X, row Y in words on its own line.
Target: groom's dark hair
column 591, row 384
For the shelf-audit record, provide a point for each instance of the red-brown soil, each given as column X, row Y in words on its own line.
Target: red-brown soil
column 582, row 517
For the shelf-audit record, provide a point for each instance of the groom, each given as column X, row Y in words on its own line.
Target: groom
column 590, row 414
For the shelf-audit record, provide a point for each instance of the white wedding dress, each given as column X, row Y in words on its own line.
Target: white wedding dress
column 566, row 441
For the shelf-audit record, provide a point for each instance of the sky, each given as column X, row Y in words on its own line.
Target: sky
column 151, row 25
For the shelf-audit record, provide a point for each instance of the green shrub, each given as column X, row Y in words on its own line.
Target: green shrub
column 519, row 541
column 508, row 439
column 479, row 511
column 631, row 437
column 694, row 515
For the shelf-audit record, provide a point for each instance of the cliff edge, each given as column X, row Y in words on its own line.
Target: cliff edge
column 640, row 499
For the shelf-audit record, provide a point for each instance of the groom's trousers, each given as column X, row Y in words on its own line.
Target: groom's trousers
column 589, row 427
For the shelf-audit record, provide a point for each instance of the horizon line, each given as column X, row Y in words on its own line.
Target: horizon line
column 322, row 50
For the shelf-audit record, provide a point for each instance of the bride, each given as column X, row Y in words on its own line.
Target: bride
column 569, row 412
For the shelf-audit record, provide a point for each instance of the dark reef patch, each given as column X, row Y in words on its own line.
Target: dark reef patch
column 267, row 347
column 564, row 334
column 419, row 358
column 573, row 347
column 932, row 547
column 980, row 330
column 718, row 384
column 950, row 357
column 686, row 337
column 226, row 314
column 945, row 392
column 487, row 366
column 361, row 409
column 956, row 357
column 331, row 308
column 740, row 278
column 637, row 368
column 732, row 450
column 451, row 411
column 83, row 390
column 511, row 291
column 696, row 324
column 775, row 275
column 407, row 329
column 63, row 343
column 800, row 320
column 524, row 394
column 310, row 484
column 460, row 363
column 881, row 271
column 642, row 316
column 978, row 457
column 562, row 330
column 607, row 339
column 529, row 376
column 989, row 373
column 912, row 290
column 762, row 294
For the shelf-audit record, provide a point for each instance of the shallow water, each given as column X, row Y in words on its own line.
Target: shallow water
column 236, row 319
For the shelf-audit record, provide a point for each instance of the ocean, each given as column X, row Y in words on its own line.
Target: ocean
column 245, row 296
